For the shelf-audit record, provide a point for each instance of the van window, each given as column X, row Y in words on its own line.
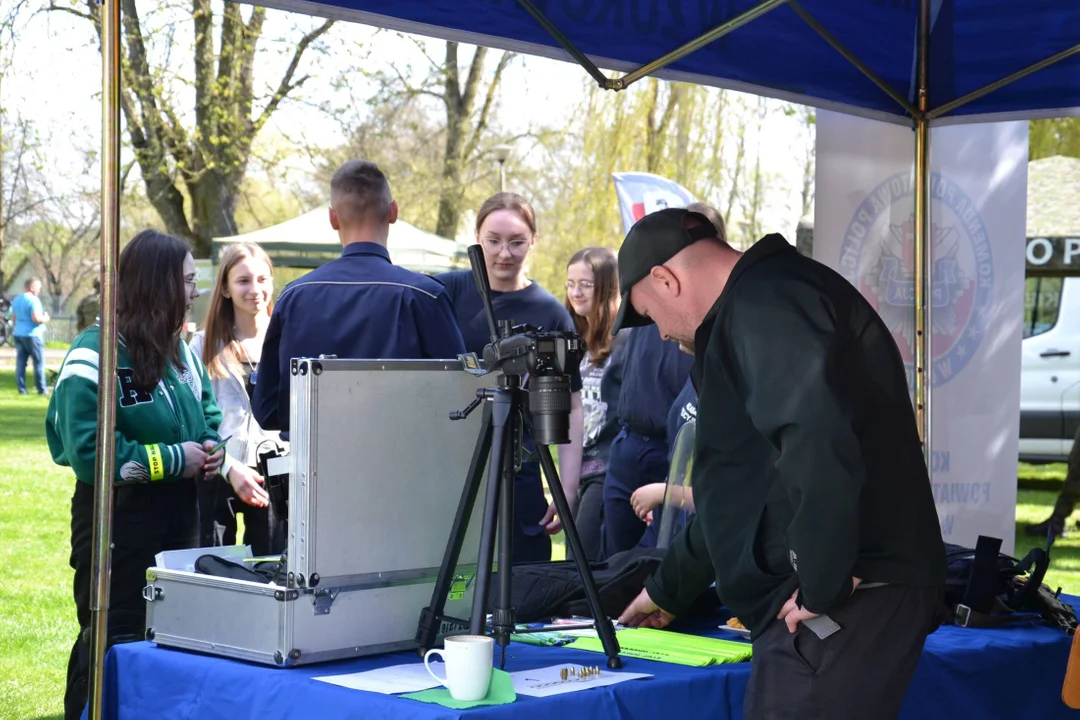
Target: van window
column 1042, row 298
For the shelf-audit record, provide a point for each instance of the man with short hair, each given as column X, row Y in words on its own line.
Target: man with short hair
column 29, row 333
column 815, row 515
column 358, row 306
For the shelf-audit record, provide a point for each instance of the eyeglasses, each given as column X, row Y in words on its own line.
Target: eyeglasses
column 192, row 283
column 585, row 286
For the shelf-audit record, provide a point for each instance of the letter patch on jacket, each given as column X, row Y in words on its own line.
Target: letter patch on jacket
column 129, row 394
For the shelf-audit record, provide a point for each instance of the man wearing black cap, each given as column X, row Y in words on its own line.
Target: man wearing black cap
column 815, row 516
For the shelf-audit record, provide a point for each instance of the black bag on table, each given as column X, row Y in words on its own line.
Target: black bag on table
column 986, row 588
column 540, row 591
column 265, row 571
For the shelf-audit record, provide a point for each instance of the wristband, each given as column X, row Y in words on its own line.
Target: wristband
column 157, row 467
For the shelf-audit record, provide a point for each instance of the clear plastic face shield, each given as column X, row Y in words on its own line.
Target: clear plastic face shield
column 676, row 510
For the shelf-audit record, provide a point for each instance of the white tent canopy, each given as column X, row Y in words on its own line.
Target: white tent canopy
column 308, row 241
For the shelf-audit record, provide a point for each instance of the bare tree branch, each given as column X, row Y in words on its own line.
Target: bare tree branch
column 489, row 101
column 287, row 85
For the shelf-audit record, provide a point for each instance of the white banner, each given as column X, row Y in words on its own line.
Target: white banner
column 864, row 228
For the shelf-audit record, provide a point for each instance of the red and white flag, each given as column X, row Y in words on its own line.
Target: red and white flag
column 641, row 193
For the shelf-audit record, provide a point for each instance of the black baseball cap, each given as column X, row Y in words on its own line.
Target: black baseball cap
column 652, row 241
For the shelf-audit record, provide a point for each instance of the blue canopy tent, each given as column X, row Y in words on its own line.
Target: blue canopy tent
column 855, row 56
column 905, row 61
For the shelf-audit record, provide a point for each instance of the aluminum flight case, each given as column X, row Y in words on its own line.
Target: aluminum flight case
column 377, row 469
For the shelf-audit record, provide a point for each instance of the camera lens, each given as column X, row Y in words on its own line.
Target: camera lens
column 549, row 406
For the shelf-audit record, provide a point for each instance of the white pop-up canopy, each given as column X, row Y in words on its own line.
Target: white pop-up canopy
column 308, row 241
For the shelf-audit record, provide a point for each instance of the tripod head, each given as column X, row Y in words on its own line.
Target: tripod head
column 546, row 357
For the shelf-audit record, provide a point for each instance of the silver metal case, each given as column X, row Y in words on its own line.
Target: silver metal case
column 377, row 469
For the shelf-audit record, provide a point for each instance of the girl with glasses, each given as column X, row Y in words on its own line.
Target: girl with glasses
column 592, row 298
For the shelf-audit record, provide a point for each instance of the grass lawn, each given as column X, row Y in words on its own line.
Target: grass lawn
column 37, row 620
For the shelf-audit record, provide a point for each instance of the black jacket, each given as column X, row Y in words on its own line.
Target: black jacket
column 808, row 466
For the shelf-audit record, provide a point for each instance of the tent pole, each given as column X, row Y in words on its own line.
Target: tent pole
column 923, row 255
column 998, row 84
column 101, row 551
column 716, row 33
column 680, row 52
column 850, row 57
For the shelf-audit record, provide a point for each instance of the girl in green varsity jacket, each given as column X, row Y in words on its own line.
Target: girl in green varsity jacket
column 166, row 428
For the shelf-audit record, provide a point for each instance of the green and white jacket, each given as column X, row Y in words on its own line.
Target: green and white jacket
column 150, row 426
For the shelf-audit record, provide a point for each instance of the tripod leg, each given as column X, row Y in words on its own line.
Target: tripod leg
column 503, row 612
column 431, row 616
column 604, row 627
column 500, row 414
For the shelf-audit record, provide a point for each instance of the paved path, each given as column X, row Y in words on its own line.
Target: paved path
column 53, row 358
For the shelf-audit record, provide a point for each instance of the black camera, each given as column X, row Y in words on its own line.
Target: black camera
column 548, row 358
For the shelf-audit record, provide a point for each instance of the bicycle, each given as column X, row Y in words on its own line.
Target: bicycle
column 7, row 323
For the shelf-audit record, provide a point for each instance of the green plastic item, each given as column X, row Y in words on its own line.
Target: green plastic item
column 672, row 647
column 500, row 692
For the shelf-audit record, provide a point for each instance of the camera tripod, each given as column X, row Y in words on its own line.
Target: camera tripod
column 504, row 414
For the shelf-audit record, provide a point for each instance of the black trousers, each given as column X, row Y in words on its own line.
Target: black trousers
column 860, row 672
column 147, row 519
column 589, row 519
column 218, row 507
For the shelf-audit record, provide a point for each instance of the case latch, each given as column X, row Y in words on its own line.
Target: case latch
column 151, row 593
column 323, row 600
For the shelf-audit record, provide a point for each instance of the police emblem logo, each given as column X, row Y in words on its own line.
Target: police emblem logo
column 878, row 257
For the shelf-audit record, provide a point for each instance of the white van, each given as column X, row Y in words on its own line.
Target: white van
column 1050, row 370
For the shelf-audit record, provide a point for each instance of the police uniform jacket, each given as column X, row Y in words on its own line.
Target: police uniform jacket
column 358, row 306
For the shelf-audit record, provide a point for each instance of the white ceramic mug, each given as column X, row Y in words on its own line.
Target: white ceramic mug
column 467, row 659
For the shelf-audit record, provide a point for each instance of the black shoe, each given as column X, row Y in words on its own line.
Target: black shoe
column 1050, row 525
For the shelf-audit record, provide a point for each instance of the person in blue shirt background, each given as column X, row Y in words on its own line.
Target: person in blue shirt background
column 30, row 319
column 648, row 498
column 506, row 230
column 654, row 372
column 359, row 306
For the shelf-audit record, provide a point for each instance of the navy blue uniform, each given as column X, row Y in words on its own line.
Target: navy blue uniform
column 359, row 306
column 537, row 307
column 655, row 371
column 683, row 410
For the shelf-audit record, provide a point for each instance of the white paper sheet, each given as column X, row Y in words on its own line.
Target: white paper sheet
column 412, row 677
column 544, row 682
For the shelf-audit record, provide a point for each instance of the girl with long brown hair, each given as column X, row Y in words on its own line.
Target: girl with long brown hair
column 166, row 427
column 592, row 298
column 506, row 231
column 231, row 347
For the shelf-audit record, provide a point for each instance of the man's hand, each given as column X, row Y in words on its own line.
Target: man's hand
column 792, row 614
column 643, row 612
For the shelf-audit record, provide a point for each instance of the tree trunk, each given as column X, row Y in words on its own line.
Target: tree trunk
column 211, row 159
column 462, row 146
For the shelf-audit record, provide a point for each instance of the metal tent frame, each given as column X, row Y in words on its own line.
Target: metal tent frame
column 919, row 111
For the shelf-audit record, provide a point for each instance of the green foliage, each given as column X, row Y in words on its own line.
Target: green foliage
column 1055, row 136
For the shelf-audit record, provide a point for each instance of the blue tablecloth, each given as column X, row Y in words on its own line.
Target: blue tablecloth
column 1010, row 673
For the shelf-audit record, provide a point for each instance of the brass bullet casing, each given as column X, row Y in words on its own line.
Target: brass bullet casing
column 573, row 671
column 564, row 674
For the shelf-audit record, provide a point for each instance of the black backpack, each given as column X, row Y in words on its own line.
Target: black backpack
column 986, row 588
